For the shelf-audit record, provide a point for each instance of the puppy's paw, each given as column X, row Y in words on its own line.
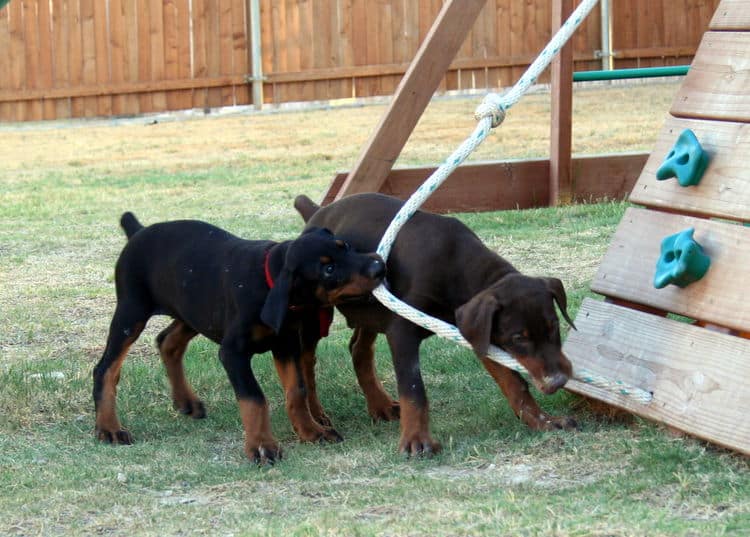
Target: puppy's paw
column 388, row 410
column 418, row 445
column 556, row 423
column 193, row 408
column 320, row 435
column 262, row 453
column 119, row 436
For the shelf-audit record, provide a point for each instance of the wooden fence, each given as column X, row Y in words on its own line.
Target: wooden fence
column 85, row 58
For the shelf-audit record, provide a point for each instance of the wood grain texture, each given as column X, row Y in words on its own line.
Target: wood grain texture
column 724, row 189
column 561, row 124
column 731, row 15
column 722, row 296
column 513, row 184
column 716, row 87
column 698, row 377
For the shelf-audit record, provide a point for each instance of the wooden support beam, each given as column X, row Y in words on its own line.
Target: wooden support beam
column 412, row 96
column 560, row 186
column 510, row 184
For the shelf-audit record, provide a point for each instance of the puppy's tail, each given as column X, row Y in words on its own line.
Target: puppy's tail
column 130, row 224
column 305, row 207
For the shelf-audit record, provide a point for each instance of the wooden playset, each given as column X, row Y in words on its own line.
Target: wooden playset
column 697, row 371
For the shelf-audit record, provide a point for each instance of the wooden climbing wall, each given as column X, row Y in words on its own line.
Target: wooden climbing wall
column 689, row 346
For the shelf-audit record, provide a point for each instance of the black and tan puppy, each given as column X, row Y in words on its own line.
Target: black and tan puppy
column 441, row 267
column 247, row 296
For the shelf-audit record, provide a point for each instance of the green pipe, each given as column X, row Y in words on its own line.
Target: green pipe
column 641, row 72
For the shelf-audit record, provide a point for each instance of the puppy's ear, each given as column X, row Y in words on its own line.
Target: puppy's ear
column 474, row 321
column 277, row 302
column 555, row 287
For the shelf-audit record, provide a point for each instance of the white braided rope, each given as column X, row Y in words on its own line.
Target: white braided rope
column 489, row 114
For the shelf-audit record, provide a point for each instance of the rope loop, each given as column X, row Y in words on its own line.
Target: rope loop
column 490, row 108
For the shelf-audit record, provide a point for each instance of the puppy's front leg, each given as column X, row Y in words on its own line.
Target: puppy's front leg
column 516, row 390
column 287, row 362
column 260, row 445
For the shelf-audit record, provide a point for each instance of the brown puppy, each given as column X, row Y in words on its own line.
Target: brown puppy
column 441, row 267
column 247, row 296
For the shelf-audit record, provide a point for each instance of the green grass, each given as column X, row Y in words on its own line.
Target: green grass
column 62, row 193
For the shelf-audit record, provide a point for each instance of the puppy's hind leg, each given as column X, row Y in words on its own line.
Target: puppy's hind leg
column 172, row 342
column 127, row 324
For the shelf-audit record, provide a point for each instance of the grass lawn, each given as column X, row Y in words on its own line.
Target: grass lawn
column 64, row 187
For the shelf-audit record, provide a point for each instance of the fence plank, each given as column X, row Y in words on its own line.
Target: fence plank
column 695, row 388
column 226, row 57
column 117, row 42
column 156, row 34
column 240, row 49
column 171, row 49
column 102, row 56
column 200, row 59
column 145, row 100
column 131, row 68
column 88, row 53
column 7, row 110
column 31, row 49
column 183, row 98
column 45, row 56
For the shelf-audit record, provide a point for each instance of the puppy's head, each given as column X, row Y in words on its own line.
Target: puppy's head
column 320, row 270
column 517, row 314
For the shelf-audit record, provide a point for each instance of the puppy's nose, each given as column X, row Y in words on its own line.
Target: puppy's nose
column 375, row 269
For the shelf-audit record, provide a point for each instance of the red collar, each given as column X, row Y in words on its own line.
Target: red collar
column 267, row 270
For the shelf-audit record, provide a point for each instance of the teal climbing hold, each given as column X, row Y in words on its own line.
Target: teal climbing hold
column 686, row 161
column 682, row 260
column 3, row 2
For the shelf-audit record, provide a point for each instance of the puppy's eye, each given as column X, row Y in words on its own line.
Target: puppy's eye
column 329, row 269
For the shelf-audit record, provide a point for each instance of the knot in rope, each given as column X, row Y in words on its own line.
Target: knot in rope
column 491, row 108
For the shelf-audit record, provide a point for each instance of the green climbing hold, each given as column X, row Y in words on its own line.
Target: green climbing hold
column 686, row 161
column 682, row 260
column 3, row 2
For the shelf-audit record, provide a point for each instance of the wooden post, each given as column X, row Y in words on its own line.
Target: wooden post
column 561, row 188
column 412, row 96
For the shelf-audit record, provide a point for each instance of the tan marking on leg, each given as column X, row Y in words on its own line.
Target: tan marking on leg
column 106, row 408
column 172, row 350
column 260, row 445
column 380, row 405
column 307, row 364
column 307, row 429
column 524, row 405
column 415, row 429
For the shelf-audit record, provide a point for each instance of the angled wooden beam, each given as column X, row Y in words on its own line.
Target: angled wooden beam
column 412, row 96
